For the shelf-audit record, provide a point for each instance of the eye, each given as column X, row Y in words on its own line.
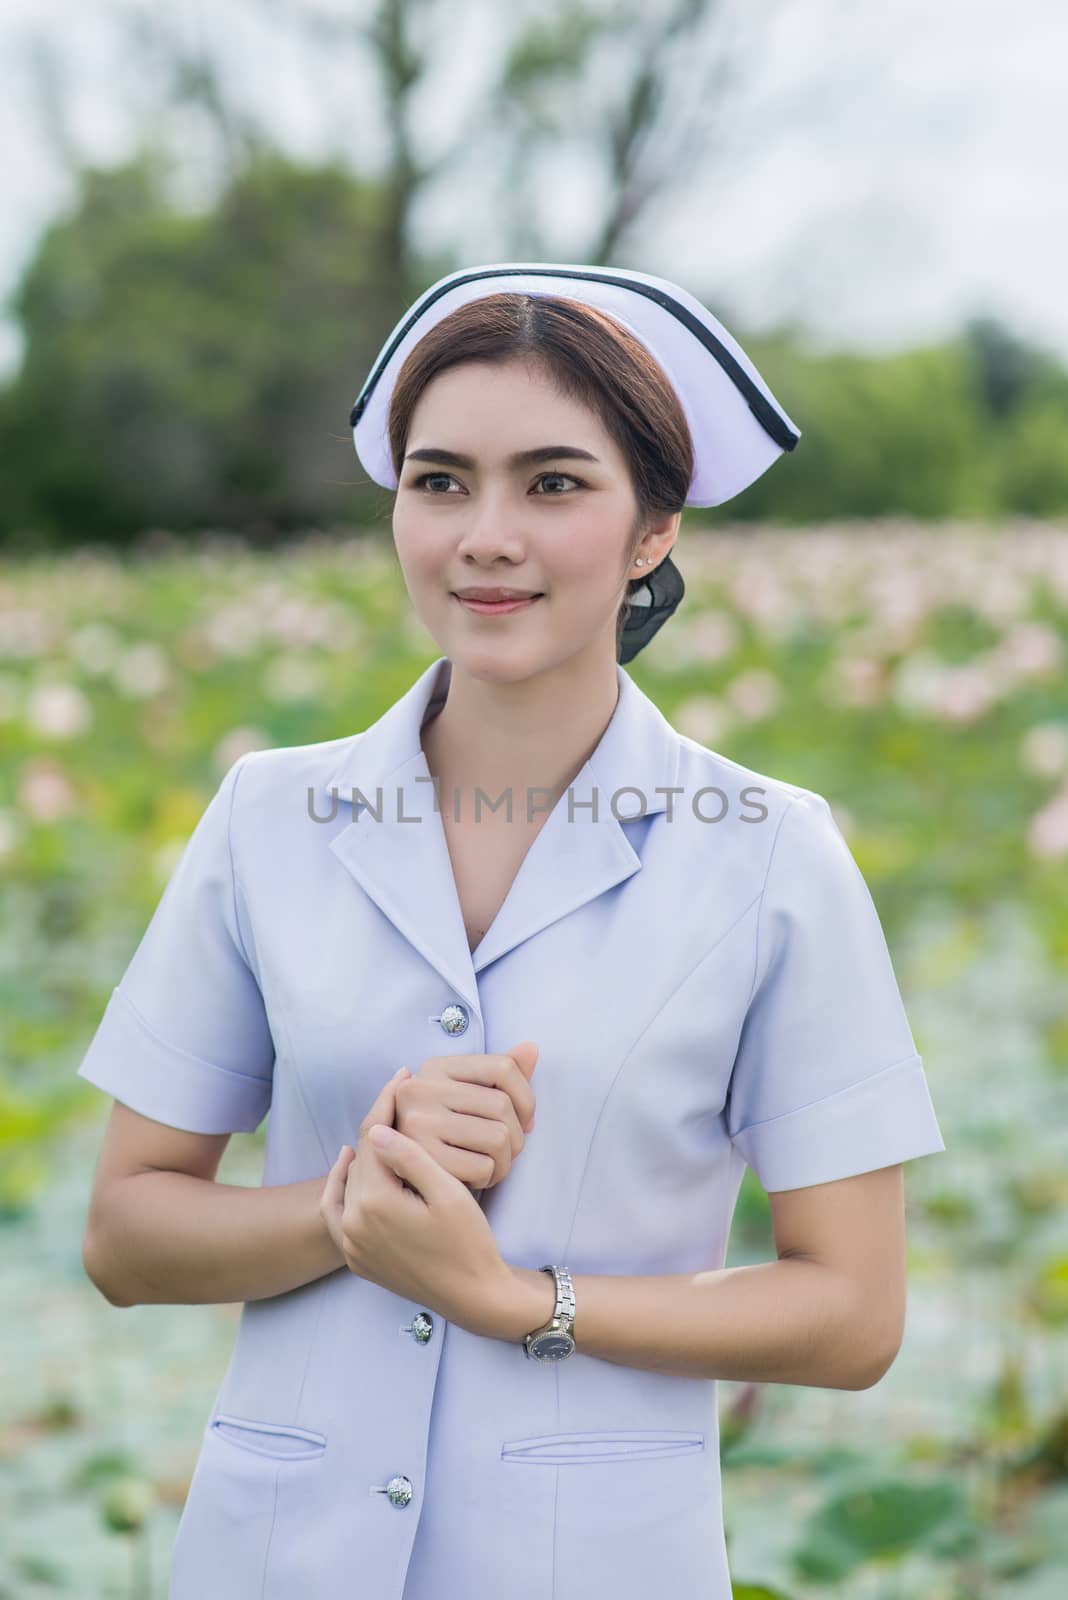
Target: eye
column 425, row 478
column 565, row 475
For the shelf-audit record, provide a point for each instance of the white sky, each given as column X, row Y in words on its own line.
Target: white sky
column 893, row 168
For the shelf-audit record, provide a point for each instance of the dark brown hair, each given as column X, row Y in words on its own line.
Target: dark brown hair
column 590, row 357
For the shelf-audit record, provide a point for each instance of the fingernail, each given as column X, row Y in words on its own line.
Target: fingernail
column 381, row 1134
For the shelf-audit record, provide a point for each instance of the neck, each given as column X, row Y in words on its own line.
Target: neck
column 532, row 735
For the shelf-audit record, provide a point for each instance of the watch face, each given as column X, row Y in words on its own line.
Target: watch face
column 552, row 1346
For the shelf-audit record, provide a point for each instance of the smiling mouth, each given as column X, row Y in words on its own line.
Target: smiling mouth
column 489, row 607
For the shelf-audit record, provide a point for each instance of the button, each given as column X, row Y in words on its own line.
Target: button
column 453, row 1019
column 421, row 1327
column 398, row 1489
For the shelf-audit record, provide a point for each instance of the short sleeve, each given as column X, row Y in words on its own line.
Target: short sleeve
column 827, row 1081
column 185, row 1038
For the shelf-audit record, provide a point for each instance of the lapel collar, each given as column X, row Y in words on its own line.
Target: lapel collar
column 402, row 860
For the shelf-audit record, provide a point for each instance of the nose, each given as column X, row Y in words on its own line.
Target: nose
column 492, row 528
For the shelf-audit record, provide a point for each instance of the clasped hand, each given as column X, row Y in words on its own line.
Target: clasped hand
column 400, row 1219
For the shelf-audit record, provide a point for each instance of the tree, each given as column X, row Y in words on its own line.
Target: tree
column 1007, row 367
column 189, row 370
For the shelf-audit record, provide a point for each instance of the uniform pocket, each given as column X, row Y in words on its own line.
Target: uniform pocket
column 281, row 1440
column 625, row 1444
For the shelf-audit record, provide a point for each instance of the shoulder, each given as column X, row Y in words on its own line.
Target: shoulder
column 712, row 782
column 284, row 782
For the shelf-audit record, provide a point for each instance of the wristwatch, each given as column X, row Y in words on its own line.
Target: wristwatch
column 556, row 1339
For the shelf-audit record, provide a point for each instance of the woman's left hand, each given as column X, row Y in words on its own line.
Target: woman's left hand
column 430, row 1243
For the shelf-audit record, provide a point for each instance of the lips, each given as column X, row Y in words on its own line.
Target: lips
column 493, row 595
column 489, row 608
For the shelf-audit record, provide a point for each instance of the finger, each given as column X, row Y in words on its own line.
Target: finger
column 410, row 1162
column 482, row 1132
column 333, row 1196
column 383, row 1114
column 516, row 1070
column 384, row 1106
column 501, row 1072
column 525, row 1056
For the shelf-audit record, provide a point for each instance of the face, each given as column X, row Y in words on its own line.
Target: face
column 560, row 526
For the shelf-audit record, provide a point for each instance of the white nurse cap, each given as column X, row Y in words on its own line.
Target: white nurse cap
column 737, row 425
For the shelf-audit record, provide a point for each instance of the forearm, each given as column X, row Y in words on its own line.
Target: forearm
column 792, row 1320
column 168, row 1238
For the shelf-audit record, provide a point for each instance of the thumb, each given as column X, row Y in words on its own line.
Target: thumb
column 409, row 1161
column 334, row 1189
column 384, row 1106
column 525, row 1056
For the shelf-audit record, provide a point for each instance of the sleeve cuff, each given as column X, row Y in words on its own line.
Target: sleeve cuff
column 129, row 1062
column 885, row 1118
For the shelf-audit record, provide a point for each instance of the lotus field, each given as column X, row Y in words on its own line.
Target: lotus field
column 916, row 674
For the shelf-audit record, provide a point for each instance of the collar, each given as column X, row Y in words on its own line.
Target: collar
column 395, row 845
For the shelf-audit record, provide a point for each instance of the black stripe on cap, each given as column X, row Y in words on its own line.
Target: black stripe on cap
column 755, row 398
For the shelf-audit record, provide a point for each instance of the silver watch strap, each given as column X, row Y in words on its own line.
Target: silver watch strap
column 564, row 1310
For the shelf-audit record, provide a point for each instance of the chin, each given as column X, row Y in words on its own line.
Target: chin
column 496, row 663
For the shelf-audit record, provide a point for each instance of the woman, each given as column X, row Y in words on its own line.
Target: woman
column 520, row 849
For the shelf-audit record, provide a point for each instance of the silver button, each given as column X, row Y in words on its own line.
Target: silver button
column 421, row 1327
column 453, row 1019
column 399, row 1490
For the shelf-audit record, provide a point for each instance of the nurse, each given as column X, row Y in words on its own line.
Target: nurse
column 478, row 1351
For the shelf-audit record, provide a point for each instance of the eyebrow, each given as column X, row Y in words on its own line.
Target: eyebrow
column 521, row 458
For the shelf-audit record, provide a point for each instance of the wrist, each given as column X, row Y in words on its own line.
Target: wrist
column 323, row 1251
column 527, row 1301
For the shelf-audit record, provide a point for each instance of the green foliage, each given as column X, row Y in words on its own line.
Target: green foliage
column 189, row 370
column 1030, row 454
column 903, row 433
column 168, row 666
column 186, row 369
column 749, row 1591
column 127, row 1503
column 876, row 1521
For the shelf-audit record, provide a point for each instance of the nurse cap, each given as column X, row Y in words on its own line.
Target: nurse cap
column 737, row 425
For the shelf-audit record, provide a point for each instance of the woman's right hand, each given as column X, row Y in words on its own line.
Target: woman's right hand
column 470, row 1112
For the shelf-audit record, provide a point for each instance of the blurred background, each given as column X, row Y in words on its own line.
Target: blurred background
column 212, row 217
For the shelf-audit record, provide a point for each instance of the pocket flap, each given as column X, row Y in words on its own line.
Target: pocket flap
column 280, row 1439
column 620, row 1444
